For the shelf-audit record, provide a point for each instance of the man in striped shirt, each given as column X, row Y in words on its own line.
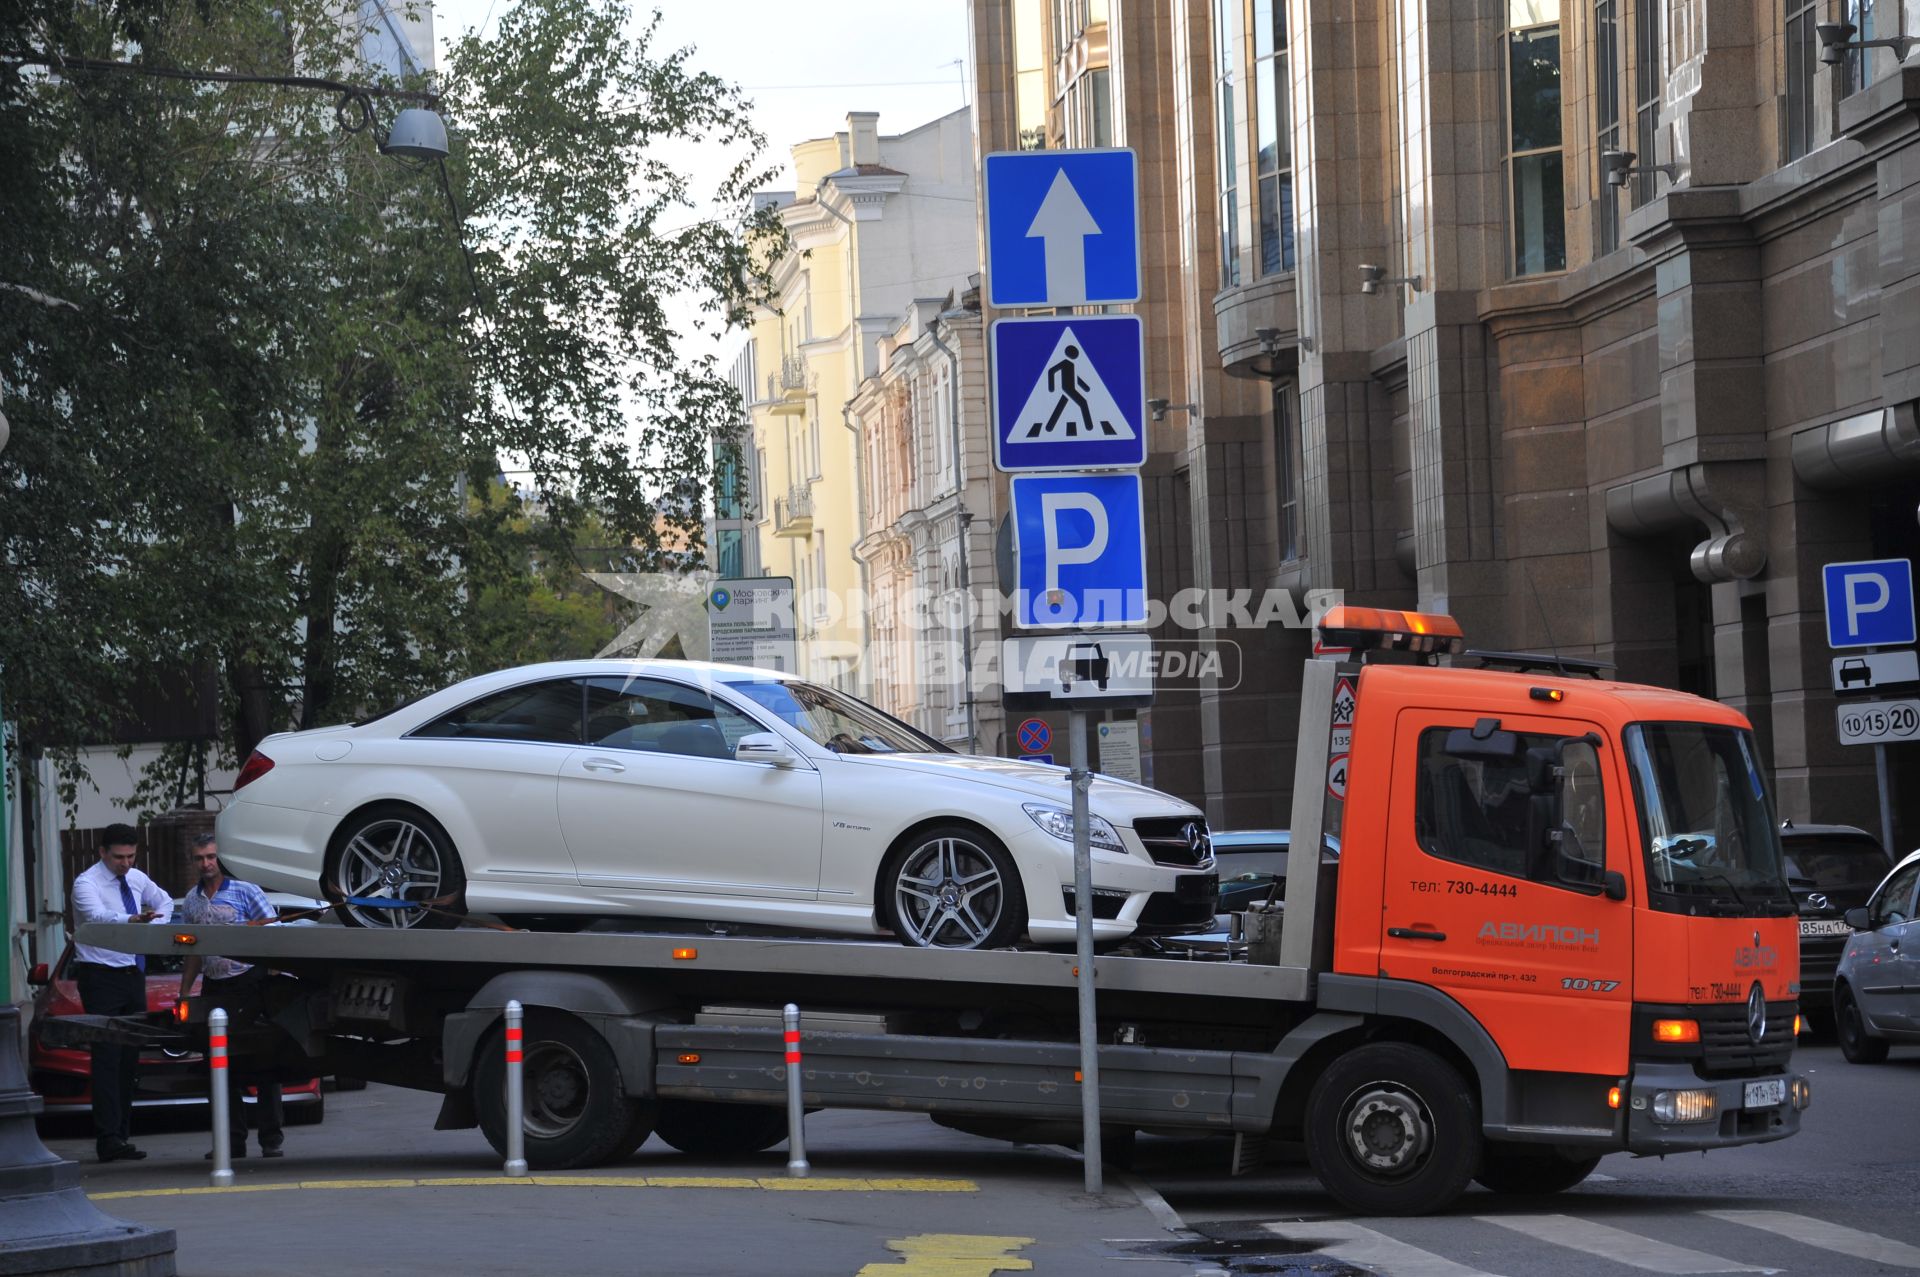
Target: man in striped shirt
column 238, row 988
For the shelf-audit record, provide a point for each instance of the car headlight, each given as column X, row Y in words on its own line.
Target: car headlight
column 1059, row 822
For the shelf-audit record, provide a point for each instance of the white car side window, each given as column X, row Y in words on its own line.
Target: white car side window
column 660, row 717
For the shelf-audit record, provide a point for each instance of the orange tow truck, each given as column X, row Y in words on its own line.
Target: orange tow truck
column 1557, row 928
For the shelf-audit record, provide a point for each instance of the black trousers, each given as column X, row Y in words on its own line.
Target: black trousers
column 112, row 991
column 243, row 998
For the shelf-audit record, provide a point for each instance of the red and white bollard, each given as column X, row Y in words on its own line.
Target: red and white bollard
column 516, row 1120
column 797, row 1166
column 217, row 1097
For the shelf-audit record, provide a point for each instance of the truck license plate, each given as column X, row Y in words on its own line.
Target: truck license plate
column 1768, row 1094
column 1824, row 927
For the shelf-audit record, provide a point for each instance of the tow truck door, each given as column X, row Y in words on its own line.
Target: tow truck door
column 1471, row 909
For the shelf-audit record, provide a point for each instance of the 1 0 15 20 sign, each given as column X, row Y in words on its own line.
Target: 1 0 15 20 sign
column 1879, row 722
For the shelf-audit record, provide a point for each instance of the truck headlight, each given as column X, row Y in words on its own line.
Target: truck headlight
column 1059, row 822
column 1682, row 1106
column 1801, row 1092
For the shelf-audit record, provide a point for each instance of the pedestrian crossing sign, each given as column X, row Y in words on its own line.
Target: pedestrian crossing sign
column 1069, row 393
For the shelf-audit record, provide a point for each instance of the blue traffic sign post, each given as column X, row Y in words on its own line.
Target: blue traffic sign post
column 1063, row 227
column 1069, row 393
column 1870, row 604
column 1079, row 551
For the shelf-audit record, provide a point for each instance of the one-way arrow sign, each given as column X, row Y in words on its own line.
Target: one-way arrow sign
column 1062, row 227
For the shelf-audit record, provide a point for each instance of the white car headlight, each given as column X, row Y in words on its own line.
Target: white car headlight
column 1059, row 822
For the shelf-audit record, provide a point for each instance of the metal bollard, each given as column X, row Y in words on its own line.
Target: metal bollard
column 516, row 1120
column 796, row 1106
column 217, row 1097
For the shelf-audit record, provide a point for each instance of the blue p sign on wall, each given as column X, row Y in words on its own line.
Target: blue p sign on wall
column 1079, row 550
column 1869, row 604
column 1063, row 227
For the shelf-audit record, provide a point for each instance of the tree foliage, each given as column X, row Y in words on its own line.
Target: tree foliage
column 254, row 381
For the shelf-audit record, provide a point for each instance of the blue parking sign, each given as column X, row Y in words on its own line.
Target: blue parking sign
column 1869, row 603
column 1063, row 227
column 1079, row 550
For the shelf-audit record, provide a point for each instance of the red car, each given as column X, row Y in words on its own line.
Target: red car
column 167, row 1078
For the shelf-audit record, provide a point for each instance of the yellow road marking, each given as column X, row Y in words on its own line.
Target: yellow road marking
column 770, row 1183
column 952, row 1255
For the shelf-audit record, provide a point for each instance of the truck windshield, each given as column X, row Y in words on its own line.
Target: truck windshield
column 841, row 723
column 1705, row 821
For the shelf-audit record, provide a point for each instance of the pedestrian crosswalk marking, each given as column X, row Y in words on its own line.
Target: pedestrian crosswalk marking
column 1618, row 1244
column 1361, row 1246
column 1808, row 1231
column 1070, row 401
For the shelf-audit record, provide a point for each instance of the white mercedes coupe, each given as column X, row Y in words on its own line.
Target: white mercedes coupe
column 576, row 790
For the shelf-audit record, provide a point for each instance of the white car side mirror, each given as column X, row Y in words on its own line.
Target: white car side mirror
column 764, row 747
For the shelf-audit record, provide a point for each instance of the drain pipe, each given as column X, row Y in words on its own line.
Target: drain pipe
column 963, row 518
column 860, row 534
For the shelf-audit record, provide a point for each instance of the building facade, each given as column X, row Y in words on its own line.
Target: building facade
column 874, row 222
column 933, row 501
column 1626, row 418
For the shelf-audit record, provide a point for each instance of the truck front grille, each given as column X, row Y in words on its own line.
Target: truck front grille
column 1727, row 1048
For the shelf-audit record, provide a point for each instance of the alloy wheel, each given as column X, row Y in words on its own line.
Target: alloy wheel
column 948, row 894
column 390, row 859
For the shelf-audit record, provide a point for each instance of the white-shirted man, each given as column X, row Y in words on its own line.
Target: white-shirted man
column 114, row 983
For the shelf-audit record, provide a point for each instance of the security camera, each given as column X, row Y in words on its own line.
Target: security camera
column 1158, row 407
column 1834, row 37
column 1370, row 277
column 1618, row 167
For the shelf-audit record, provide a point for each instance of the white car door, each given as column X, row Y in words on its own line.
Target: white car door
column 1887, row 969
column 656, row 802
column 499, row 757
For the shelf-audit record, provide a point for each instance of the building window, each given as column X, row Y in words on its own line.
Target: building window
column 1803, row 48
column 1860, row 61
column 1286, row 472
column 1275, row 135
column 1030, row 75
column 1606, row 119
column 1536, row 199
column 1649, row 81
column 1226, row 27
column 731, row 553
column 1100, row 95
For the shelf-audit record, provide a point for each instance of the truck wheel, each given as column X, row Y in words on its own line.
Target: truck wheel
column 393, row 851
column 1393, row 1129
column 1850, row 1027
column 1533, row 1170
column 572, row 1109
column 954, row 887
column 705, row 1128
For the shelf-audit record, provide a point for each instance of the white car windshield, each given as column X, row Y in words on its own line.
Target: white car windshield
column 833, row 719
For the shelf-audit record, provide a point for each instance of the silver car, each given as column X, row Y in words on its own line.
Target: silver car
column 1876, row 991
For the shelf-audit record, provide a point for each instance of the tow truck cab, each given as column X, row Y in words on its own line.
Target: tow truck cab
column 1589, row 870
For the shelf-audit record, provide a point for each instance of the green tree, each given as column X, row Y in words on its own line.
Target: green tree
column 253, row 376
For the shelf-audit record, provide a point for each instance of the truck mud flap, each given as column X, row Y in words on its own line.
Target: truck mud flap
column 1142, row 1086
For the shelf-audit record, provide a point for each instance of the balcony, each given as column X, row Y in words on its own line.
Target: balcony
column 787, row 389
column 793, row 513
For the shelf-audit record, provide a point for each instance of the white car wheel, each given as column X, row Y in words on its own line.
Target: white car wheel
column 392, row 852
column 952, row 887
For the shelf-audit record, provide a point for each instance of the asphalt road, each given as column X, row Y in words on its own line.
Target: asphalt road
column 377, row 1189
column 1851, row 1175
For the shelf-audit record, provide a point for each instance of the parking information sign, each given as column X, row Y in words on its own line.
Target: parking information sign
column 1079, row 551
column 1063, row 227
column 1081, row 671
column 1069, row 394
column 1869, row 603
column 1879, row 722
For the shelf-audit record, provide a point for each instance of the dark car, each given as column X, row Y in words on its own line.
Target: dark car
column 1253, row 866
column 1831, row 869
